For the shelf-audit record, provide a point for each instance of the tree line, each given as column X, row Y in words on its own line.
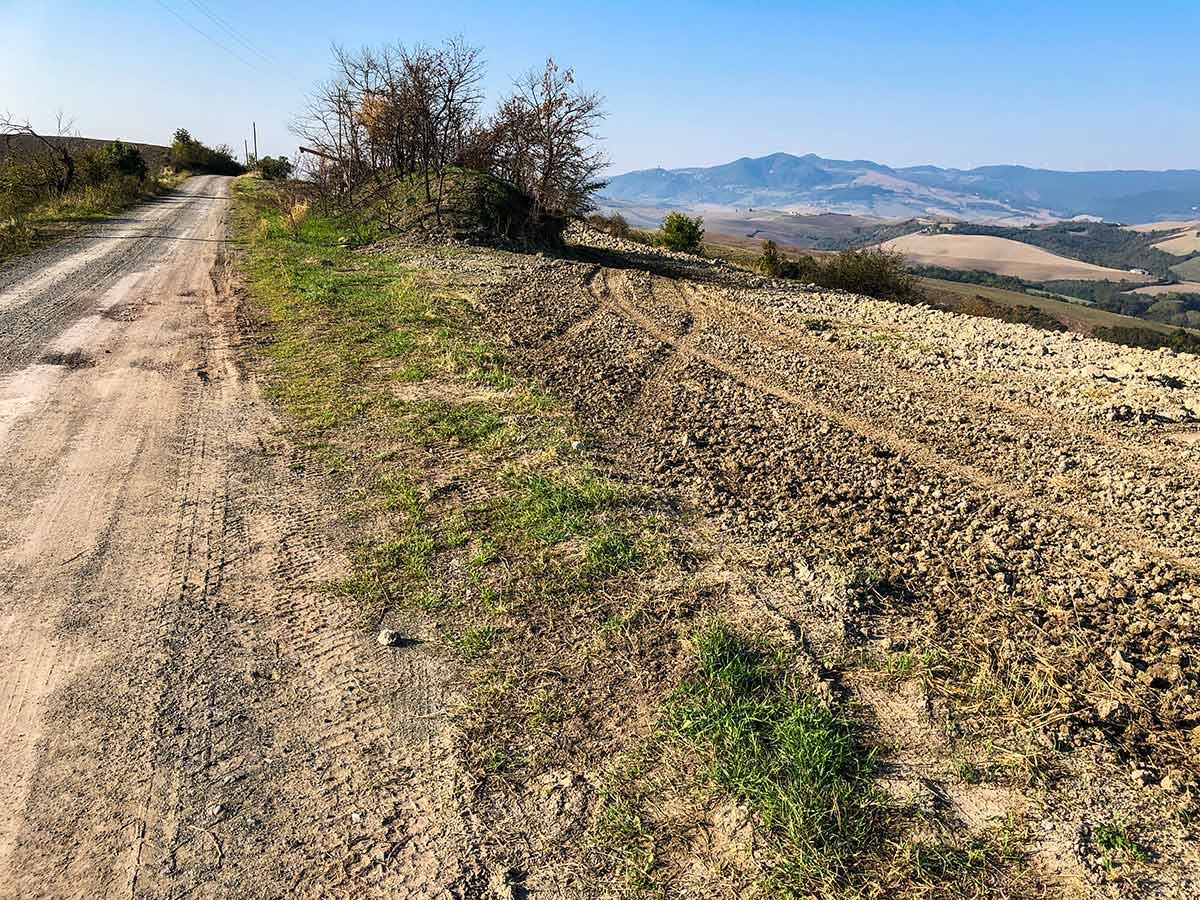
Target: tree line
column 418, row 112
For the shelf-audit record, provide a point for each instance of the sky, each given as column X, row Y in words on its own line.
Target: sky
column 1069, row 85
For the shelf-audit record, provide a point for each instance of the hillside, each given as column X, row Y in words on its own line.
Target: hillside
column 863, row 187
column 589, row 457
column 1002, row 256
column 25, row 146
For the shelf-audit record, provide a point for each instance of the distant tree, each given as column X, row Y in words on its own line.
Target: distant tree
column 771, row 262
column 683, row 233
column 275, row 168
column 188, row 153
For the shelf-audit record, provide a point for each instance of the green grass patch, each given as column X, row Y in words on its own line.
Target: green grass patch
column 1116, row 845
column 550, row 507
column 623, row 836
column 786, row 754
column 611, row 552
column 477, row 641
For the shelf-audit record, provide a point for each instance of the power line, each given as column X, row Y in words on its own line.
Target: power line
column 232, row 32
column 205, row 34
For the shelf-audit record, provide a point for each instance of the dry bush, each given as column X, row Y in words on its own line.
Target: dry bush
column 396, row 112
column 614, row 224
column 296, row 216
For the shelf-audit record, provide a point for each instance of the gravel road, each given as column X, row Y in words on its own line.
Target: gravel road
column 185, row 710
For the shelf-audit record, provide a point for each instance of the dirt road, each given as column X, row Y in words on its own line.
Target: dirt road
column 185, row 710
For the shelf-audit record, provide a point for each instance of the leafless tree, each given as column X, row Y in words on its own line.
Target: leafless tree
column 458, row 73
column 58, row 165
column 399, row 112
column 549, row 140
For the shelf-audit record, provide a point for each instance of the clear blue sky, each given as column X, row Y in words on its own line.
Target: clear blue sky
column 1068, row 85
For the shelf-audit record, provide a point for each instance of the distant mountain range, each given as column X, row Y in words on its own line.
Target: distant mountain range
column 990, row 193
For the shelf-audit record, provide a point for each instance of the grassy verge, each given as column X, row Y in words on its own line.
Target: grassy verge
column 567, row 601
column 786, row 754
column 469, row 502
column 53, row 219
column 748, row 732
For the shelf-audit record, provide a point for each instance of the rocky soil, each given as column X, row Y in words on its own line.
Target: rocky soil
column 1015, row 509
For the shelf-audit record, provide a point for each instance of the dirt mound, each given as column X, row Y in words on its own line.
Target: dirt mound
column 24, row 146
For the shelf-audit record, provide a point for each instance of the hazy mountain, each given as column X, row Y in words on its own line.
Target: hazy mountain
column 812, row 183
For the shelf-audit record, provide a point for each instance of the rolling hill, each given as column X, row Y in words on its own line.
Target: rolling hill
column 1002, row 256
column 862, row 187
column 20, row 145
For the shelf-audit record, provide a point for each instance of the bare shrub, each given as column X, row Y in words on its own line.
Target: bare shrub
column 547, row 135
column 399, row 112
column 614, row 224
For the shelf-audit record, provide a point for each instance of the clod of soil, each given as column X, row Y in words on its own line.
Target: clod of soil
column 73, row 359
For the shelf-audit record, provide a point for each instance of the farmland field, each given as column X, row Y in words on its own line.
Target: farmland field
column 1151, row 227
column 1075, row 316
column 1183, row 287
column 1182, row 244
column 1188, row 269
column 1002, row 256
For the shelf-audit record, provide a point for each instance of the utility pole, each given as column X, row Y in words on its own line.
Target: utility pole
column 254, row 126
column 246, row 147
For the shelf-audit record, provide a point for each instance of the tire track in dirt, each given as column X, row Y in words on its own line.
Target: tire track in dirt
column 918, row 453
column 32, row 313
column 787, row 480
column 863, row 382
column 193, row 699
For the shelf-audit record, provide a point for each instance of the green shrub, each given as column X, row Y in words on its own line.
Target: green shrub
column 277, row 168
column 117, row 160
column 771, row 262
column 683, row 233
column 20, row 187
column 125, row 159
column 188, row 153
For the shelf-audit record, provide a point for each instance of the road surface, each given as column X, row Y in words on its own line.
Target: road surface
column 184, row 708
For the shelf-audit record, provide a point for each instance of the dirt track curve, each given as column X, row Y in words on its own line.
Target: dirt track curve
column 183, row 709
column 994, row 476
